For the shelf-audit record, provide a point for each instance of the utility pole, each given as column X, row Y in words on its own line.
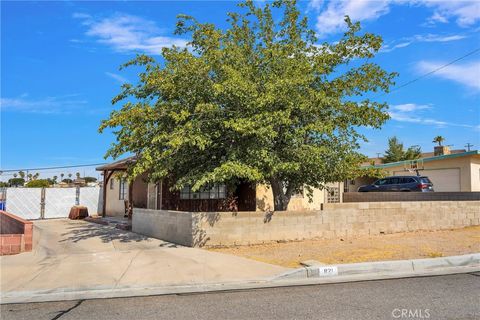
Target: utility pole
column 468, row 146
column 378, row 155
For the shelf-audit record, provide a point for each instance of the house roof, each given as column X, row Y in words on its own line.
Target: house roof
column 117, row 165
column 432, row 154
column 428, row 159
column 379, row 160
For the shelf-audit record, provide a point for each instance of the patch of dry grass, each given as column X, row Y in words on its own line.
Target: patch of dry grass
column 412, row 245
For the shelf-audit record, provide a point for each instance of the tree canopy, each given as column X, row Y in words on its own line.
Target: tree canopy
column 38, row 183
column 396, row 151
column 261, row 101
column 16, row 182
column 439, row 140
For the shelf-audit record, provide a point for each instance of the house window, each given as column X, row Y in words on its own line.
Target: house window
column 111, row 183
column 122, row 189
column 216, row 192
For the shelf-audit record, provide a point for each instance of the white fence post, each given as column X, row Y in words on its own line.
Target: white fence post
column 42, row 203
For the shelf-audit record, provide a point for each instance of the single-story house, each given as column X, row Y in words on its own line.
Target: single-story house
column 117, row 193
column 449, row 172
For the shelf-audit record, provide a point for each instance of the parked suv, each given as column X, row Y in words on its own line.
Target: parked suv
column 399, row 183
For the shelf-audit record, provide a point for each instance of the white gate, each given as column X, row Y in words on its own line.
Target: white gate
column 28, row 203
column 92, row 199
column 58, row 202
column 24, row 202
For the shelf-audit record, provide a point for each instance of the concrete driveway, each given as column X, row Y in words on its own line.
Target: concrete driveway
column 76, row 255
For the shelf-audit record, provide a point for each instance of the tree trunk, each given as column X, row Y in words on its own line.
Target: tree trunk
column 281, row 197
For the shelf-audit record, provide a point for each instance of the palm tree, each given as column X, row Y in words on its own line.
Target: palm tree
column 29, row 176
column 69, row 176
column 15, row 175
column 21, row 174
column 77, row 175
column 36, row 175
column 61, row 176
column 439, row 140
column 55, row 179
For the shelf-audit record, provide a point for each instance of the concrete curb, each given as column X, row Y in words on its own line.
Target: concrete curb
column 298, row 277
column 383, row 267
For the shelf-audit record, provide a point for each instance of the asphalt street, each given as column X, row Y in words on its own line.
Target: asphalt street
column 438, row 297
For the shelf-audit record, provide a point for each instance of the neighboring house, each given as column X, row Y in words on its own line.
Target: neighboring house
column 438, row 151
column 449, row 171
column 117, row 193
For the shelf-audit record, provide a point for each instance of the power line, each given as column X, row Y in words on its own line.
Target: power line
column 50, row 168
column 431, row 72
column 204, row 112
column 241, row 112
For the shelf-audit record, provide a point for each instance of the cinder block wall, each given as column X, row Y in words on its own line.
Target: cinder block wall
column 173, row 226
column 335, row 221
column 410, row 196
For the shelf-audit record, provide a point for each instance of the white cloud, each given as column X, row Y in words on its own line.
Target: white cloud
column 410, row 107
column 412, row 113
column 403, row 117
column 47, row 105
column 466, row 74
column 405, row 42
column 117, row 77
column 437, row 17
column 128, row 33
column 315, row 4
column 465, row 13
column 331, row 15
column 331, row 19
column 438, row 38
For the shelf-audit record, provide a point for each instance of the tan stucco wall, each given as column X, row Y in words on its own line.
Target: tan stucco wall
column 115, row 207
column 475, row 173
column 298, row 202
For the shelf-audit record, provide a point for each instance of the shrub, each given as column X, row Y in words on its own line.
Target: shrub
column 40, row 183
column 16, row 182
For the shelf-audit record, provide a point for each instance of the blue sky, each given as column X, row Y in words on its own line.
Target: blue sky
column 59, row 68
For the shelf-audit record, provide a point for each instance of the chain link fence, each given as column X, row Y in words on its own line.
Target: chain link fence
column 45, row 203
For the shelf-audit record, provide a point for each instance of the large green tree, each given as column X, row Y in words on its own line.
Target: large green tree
column 261, row 101
column 396, row 151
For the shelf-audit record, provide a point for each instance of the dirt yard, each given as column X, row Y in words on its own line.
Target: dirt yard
column 412, row 245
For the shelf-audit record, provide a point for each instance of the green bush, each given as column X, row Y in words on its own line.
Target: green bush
column 90, row 179
column 40, row 183
column 16, row 182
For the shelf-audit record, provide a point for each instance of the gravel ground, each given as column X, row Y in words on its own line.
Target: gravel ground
column 398, row 246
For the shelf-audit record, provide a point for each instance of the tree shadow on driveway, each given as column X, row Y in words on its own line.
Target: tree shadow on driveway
column 86, row 231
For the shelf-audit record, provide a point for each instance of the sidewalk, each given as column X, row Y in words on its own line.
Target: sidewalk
column 76, row 255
